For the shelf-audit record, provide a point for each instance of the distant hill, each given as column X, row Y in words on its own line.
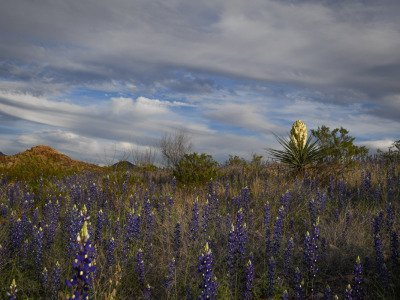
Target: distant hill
column 2, row 154
column 41, row 161
column 123, row 165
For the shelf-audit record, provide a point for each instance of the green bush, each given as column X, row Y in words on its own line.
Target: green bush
column 337, row 145
column 196, row 168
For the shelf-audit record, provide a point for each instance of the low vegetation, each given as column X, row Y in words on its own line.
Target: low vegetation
column 243, row 230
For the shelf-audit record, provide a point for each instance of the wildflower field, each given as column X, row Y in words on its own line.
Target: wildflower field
column 245, row 235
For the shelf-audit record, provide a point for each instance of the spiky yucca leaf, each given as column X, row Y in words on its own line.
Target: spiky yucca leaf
column 294, row 156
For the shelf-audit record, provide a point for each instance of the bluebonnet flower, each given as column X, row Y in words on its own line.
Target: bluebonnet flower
column 206, row 216
column 377, row 223
column 38, row 247
column 321, row 200
column 84, row 266
column 285, row 295
column 139, row 268
column 348, row 293
column 35, row 216
column 12, row 294
column 44, row 278
column 327, row 293
column 311, row 252
column 287, row 259
column 177, row 240
column 237, row 240
column 74, row 222
column 394, row 247
column 16, row 234
column 358, row 293
column 285, row 200
column 380, row 262
column 278, row 230
column 271, row 276
column 249, row 278
column 194, row 224
column 298, row 284
column 3, row 210
column 336, row 214
column 170, row 278
column 55, row 281
column 313, row 209
column 241, row 232
column 208, row 284
column 267, row 222
column 147, row 292
column 99, row 226
column 389, row 216
column 110, row 252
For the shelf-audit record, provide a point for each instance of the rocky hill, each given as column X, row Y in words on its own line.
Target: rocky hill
column 39, row 161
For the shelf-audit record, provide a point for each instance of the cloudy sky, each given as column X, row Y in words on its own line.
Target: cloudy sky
column 93, row 77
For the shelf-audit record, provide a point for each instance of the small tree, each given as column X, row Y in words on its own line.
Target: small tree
column 337, row 145
column 196, row 168
column 174, row 146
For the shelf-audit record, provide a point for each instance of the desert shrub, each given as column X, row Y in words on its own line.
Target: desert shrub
column 337, row 145
column 196, row 168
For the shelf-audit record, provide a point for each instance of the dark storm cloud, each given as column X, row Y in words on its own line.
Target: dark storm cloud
column 298, row 42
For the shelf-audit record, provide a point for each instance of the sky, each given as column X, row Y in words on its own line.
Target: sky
column 99, row 80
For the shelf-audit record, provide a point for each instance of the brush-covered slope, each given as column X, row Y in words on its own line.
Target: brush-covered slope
column 41, row 161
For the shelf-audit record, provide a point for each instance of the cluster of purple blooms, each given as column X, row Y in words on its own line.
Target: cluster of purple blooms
column 84, row 264
column 258, row 252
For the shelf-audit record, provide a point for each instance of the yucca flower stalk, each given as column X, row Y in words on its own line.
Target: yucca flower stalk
column 300, row 150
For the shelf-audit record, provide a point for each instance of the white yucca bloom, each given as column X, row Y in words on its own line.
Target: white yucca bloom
column 298, row 134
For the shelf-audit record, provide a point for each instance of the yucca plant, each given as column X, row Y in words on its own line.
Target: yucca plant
column 299, row 151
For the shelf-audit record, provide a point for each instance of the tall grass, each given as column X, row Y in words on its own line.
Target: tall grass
column 140, row 253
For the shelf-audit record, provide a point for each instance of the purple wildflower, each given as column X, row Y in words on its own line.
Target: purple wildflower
column 278, row 230
column 394, row 247
column 55, row 281
column 110, row 252
column 147, row 292
column 327, row 293
column 380, row 262
column 177, row 239
column 84, row 266
column 16, row 234
column 313, row 209
column 208, row 284
column 170, row 278
column 358, row 293
column 194, row 224
column 139, row 268
column 298, row 284
column 348, row 293
column 249, row 278
column 267, row 221
column 287, row 262
column 285, row 295
column 12, row 294
column 38, row 247
column 206, row 216
column 389, row 216
column 271, row 276
column 99, row 225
